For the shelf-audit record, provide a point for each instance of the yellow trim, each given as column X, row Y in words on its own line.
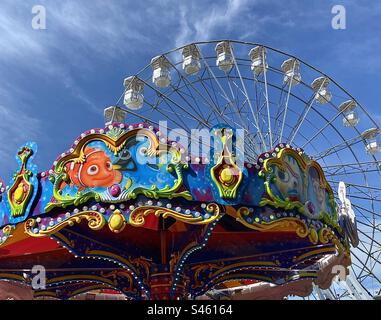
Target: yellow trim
column 284, row 224
column 79, row 277
column 96, row 221
column 15, row 277
column 64, row 239
column 311, row 253
column 137, row 216
column 161, row 274
column 246, row 264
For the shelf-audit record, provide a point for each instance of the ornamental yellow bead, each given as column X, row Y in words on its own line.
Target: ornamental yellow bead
column 227, row 175
column 19, row 193
column 117, row 222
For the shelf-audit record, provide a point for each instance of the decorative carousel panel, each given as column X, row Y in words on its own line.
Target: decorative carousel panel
column 116, row 165
column 293, row 180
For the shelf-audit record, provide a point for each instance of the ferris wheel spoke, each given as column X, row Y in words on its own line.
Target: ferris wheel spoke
column 372, row 198
column 364, row 215
column 188, row 85
column 209, row 102
column 209, row 82
column 362, row 195
column 345, row 142
column 300, row 121
column 363, row 186
column 213, row 103
column 343, row 165
column 366, row 210
column 301, row 135
column 303, row 101
column 267, row 98
column 197, row 115
column 222, row 92
column 358, row 190
column 360, row 267
column 215, row 109
column 257, row 100
column 181, row 119
column 159, row 124
column 190, row 95
column 369, row 225
column 330, row 122
column 249, row 102
column 261, row 105
column 369, row 249
column 236, row 106
column 248, row 136
column 365, row 267
column 255, row 115
column 168, row 100
column 373, row 216
column 305, row 138
column 337, row 148
column 162, row 124
column 245, row 102
column 337, row 174
column 254, row 143
column 280, row 110
column 303, row 115
column 350, row 168
column 373, row 240
column 361, row 278
column 166, row 112
column 286, row 105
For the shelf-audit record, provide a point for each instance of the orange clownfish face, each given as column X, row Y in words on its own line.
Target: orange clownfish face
column 96, row 171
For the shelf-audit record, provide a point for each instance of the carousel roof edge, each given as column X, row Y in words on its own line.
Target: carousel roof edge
column 112, row 165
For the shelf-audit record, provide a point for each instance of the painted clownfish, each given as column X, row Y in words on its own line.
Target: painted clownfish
column 95, row 171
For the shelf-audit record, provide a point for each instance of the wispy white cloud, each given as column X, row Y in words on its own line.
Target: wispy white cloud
column 80, row 35
column 201, row 23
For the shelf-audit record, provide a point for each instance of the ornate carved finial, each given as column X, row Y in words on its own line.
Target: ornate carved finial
column 226, row 174
column 24, row 184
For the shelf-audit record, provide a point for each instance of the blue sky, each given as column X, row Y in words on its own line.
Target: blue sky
column 54, row 83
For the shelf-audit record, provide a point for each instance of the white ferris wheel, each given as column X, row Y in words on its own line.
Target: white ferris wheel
column 275, row 98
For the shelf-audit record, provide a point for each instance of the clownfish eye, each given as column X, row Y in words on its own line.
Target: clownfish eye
column 92, row 170
column 108, row 165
